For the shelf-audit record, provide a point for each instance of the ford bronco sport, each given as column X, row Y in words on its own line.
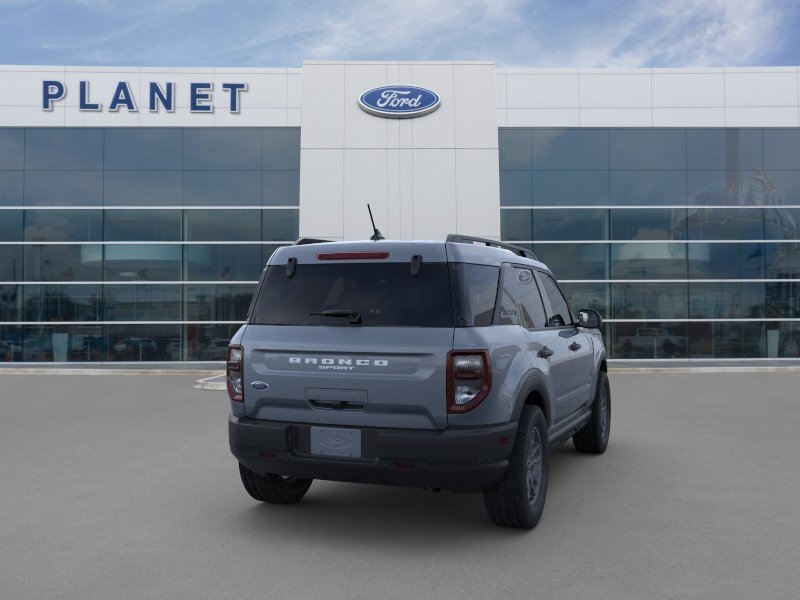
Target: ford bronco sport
column 456, row 365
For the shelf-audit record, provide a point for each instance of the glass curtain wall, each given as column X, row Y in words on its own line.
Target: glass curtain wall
column 685, row 240
column 138, row 244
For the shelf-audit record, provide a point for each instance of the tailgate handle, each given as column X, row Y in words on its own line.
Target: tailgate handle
column 333, row 399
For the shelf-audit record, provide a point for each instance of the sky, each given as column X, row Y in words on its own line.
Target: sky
column 275, row 33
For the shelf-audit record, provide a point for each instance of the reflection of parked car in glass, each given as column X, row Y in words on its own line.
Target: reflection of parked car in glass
column 653, row 342
column 216, row 349
column 136, row 348
column 174, row 349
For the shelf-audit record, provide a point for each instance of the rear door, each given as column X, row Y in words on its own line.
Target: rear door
column 350, row 342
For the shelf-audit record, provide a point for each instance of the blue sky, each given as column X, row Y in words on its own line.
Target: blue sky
column 269, row 33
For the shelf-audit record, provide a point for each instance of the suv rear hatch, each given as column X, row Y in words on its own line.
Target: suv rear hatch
column 352, row 335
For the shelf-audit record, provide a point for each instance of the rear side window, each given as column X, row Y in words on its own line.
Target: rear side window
column 383, row 295
column 475, row 293
column 561, row 314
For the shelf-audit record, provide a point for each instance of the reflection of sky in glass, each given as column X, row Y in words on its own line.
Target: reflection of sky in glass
column 11, row 188
column 143, row 149
column 73, row 148
column 220, row 188
column 12, row 149
column 63, row 188
column 222, row 149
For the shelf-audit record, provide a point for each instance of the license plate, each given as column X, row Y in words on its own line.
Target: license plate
column 328, row 441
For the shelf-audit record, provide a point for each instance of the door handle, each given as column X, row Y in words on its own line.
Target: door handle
column 574, row 346
column 545, row 352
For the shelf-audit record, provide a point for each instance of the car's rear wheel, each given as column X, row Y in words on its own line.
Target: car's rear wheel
column 593, row 438
column 275, row 489
column 518, row 500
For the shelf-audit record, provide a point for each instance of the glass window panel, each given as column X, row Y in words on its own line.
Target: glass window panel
column 725, row 300
column 11, row 263
column 516, row 188
column 649, row 300
column 280, row 225
column 142, row 225
column 281, row 149
column 648, row 187
column 648, row 261
column 558, row 188
column 63, row 262
column 11, row 303
column 781, row 148
column 588, row 295
column 63, row 225
column 648, row 149
column 280, row 188
column 12, row 148
column 141, row 343
column 782, row 187
column 782, row 261
column 11, row 189
column 648, row 224
column 726, row 224
column 10, row 225
column 509, row 310
column 142, row 262
column 143, row 149
column 64, row 148
column 726, row 261
column 208, row 342
column 47, row 303
column 218, row 302
column 560, row 313
column 221, row 263
column 514, row 146
column 782, row 224
column 63, row 343
column 215, row 188
column 222, row 148
column 723, row 149
column 731, row 188
column 570, row 149
column 783, row 299
column 143, row 188
column 530, row 300
column 552, row 224
column 575, row 261
column 650, row 339
column 266, row 252
column 516, row 225
column 223, row 225
column 64, row 188
column 142, row 302
column 727, row 340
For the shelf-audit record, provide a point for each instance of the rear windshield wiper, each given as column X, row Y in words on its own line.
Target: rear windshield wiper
column 353, row 315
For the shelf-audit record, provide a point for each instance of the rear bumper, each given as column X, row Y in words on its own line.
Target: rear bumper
column 459, row 460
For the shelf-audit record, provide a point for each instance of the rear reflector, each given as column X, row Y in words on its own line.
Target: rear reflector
column 352, row 255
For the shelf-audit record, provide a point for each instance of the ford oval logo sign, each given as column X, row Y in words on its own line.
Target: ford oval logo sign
column 399, row 101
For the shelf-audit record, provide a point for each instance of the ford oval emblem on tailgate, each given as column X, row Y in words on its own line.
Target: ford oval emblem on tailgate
column 259, row 385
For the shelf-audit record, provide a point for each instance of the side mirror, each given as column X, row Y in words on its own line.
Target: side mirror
column 589, row 318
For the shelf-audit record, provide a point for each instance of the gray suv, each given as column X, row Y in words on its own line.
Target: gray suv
column 456, row 365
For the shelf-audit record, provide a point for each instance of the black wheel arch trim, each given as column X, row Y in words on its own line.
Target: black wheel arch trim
column 534, row 382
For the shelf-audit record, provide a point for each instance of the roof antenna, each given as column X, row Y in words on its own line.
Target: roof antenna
column 377, row 235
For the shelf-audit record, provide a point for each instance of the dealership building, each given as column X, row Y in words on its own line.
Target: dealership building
column 138, row 206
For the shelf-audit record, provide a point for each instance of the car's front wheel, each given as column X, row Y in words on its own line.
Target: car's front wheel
column 518, row 500
column 275, row 489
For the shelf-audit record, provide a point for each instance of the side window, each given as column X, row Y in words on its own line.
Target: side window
column 509, row 314
column 561, row 314
column 530, row 301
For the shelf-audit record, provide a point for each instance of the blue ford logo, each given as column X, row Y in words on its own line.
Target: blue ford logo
column 259, row 385
column 399, row 101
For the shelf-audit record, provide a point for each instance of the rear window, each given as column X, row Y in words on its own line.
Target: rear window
column 383, row 295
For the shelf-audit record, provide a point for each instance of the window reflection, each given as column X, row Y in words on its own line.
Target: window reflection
column 222, row 148
column 63, row 343
column 143, row 188
column 142, row 262
column 222, row 188
column 781, row 148
column 570, row 149
column 142, row 225
column 142, row 302
column 218, row 302
column 12, row 148
column 648, row 149
column 11, row 302
column 63, row 148
column 570, row 225
column 280, row 148
column 724, row 149
column 63, row 262
column 582, row 188
column 514, row 149
column 648, row 261
column 11, row 189
column 575, row 261
column 143, row 149
column 588, row 295
column 648, row 187
column 11, row 264
column 239, row 262
column 140, row 342
column 280, row 188
column 650, row 339
column 63, row 188
column 648, row 224
column 732, row 188
column 725, row 223
column 10, row 226
column 516, row 225
column 726, row 261
column 645, row 300
column 516, row 188
column 222, row 225
column 726, row 300
column 280, row 224
column 48, row 303
column 208, row 342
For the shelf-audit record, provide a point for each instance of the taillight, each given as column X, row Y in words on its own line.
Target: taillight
column 234, row 373
column 469, row 378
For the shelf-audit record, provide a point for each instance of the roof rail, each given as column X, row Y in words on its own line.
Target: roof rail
column 304, row 241
column 467, row 239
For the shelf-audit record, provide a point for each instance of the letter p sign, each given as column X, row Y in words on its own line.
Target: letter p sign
column 52, row 91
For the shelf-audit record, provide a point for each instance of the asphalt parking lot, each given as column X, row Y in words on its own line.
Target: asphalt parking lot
column 122, row 486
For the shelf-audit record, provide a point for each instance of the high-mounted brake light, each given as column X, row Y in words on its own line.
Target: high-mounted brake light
column 352, row 255
column 234, row 373
column 469, row 379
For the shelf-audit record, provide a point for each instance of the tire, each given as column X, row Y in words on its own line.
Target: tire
column 274, row 489
column 593, row 438
column 518, row 500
